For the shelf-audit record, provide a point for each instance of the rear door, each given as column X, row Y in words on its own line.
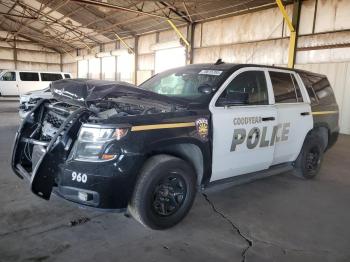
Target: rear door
column 242, row 132
column 8, row 84
column 293, row 113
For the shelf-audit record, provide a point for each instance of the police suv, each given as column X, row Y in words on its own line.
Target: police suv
column 115, row 146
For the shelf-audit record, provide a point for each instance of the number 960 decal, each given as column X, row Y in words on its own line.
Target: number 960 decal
column 79, row 177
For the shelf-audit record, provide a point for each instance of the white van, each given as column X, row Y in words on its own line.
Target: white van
column 17, row 82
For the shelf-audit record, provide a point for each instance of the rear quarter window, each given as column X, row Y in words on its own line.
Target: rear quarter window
column 67, row 76
column 318, row 88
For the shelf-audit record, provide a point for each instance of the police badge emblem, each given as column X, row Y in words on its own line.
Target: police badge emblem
column 202, row 128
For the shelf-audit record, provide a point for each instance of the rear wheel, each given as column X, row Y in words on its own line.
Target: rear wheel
column 310, row 159
column 164, row 192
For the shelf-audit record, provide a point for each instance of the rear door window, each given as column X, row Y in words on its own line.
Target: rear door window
column 297, row 89
column 29, row 76
column 9, row 76
column 50, row 77
column 283, row 87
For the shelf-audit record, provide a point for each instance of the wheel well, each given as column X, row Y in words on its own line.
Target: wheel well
column 189, row 152
column 323, row 132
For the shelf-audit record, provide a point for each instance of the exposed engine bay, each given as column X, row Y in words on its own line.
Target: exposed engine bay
column 103, row 100
column 100, row 110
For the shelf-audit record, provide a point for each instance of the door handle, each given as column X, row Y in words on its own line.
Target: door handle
column 270, row 118
column 305, row 113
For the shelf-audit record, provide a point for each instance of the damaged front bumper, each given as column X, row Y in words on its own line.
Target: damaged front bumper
column 46, row 164
column 47, row 154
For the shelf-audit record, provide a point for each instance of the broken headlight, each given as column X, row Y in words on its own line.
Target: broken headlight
column 98, row 144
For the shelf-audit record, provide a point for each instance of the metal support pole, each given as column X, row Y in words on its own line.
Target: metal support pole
column 61, row 62
column 15, row 51
column 293, row 28
column 136, row 54
column 295, row 23
column 177, row 31
column 190, row 37
column 130, row 50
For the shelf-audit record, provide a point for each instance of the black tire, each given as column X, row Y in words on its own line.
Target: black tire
column 309, row 161
column 164, row 192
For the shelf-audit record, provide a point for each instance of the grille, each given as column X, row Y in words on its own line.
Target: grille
column 45, row 138
column 54, row 120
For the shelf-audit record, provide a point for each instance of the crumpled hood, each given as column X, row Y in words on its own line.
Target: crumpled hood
column 35, row 94
column 83, row 92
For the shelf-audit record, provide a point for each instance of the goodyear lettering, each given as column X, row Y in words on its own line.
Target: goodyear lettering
column 247, row 120
column 256, row 137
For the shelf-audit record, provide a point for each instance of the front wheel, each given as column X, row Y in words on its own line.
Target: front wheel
column 309, row 161
column 164, row 192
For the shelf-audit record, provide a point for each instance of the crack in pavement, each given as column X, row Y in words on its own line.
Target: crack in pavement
column 251, row 239
column 285, row 250
column 234, row 226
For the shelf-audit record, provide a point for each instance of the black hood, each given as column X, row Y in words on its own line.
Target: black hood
column 83, row 92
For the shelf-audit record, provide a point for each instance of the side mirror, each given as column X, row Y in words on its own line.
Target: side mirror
column 205, row 89
column 233, row 99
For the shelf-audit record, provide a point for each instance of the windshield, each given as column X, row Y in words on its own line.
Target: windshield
column 183, row 83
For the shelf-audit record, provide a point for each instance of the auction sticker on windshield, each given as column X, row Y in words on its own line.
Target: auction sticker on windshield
column 210, row 72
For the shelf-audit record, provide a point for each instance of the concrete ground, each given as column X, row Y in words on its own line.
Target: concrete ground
column 281, row 218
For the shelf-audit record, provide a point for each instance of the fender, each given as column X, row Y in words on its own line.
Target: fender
column 168, row 144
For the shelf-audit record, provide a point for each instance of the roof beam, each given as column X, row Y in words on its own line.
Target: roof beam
column 32, row 40
column 174, row 10
column 64, row 16
column 59, row 33
column 9, row 11
column 112, row 26
column 187, row 12
column 30, row 22
column 20, row 16
column 47, row 39
column 105, row 19
column 120, row 8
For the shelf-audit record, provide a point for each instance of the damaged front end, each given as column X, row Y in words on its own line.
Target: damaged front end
column 44, row 141
column 79, row 142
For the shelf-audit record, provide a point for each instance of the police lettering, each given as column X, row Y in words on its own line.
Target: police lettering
column 256, row 137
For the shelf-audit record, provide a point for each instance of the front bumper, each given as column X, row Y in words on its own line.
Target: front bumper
column 105, row 185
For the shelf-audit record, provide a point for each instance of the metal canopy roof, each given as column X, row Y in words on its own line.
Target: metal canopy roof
column 69, row 24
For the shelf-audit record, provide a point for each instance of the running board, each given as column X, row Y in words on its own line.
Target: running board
column 247, row 178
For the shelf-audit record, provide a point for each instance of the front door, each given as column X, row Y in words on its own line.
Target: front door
column 243, row 118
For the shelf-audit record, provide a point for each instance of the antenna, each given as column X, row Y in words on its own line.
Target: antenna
column 219, row 62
